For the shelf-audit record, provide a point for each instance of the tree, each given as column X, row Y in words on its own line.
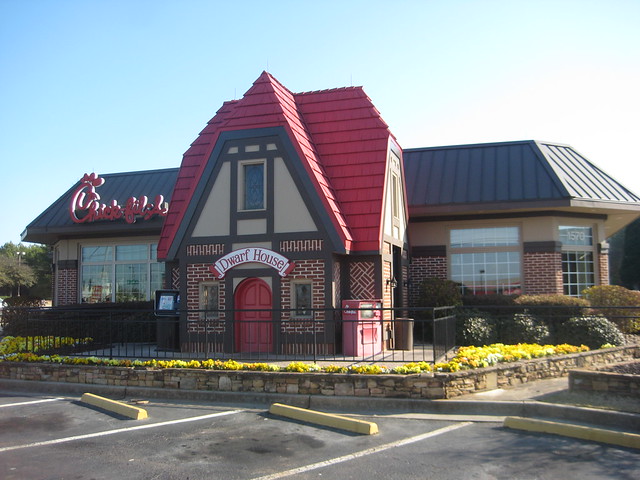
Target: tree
column 25, row 270
column 630, row 268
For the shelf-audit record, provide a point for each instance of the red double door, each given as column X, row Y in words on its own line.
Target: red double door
column 254, row 327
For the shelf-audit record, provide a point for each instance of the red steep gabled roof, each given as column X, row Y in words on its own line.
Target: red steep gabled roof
column 339, row 136
column 352, row 141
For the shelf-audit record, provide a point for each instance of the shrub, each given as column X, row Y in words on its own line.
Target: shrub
column 554, row 309
column 524, row 328
column 593, row 331
column 438, row 292
column 489, row 300
column 474, row 327
column 24, row 301
column 613, row 296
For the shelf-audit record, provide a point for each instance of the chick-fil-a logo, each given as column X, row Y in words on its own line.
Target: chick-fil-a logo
column 86, row 207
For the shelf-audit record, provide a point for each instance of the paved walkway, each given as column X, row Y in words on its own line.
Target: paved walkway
column 525, row 391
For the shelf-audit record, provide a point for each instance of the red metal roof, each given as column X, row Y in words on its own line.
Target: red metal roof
column 340, row 138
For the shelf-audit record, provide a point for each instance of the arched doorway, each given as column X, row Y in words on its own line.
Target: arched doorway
column 254, row 329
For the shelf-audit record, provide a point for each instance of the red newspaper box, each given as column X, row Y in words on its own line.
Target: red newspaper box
column 361, row 327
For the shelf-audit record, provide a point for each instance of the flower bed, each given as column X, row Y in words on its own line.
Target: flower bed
column 12, row 349
column 473, row 369
column 432, row 385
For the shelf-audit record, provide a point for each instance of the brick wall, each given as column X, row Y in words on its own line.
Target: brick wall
column 603, row 270
column 196, row 274
column 387, row 291
column 542, row 273
column 312, row 270
column 422, row 268
column 67, row 283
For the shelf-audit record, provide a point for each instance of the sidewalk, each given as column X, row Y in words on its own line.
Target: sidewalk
column 525, row 391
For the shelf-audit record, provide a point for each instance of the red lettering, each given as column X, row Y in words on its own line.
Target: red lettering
column 86, row 199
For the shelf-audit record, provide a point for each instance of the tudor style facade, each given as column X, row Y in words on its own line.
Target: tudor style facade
column 287, row 203
column 292, row 203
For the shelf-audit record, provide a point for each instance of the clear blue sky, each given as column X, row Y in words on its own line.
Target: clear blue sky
column 119, row 85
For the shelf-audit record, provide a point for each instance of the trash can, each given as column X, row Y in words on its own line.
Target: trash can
column 403, row 334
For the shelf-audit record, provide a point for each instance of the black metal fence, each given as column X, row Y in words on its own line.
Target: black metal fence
column 324, row 335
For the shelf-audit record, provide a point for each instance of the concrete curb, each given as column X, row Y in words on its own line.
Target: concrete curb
column 361, row 405
column 120, row 408
column 325, row 419
column 622, row 439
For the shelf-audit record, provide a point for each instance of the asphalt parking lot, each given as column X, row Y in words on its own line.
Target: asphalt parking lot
column 49, row 437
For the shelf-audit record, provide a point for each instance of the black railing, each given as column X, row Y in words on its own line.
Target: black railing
column 320, row 335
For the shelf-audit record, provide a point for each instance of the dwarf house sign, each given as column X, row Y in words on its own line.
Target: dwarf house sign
column 252, row 255
column 85, row 204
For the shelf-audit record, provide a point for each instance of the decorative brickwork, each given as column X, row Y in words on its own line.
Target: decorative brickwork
column 312, row 270
column 196, row 274
column 337, row 283
column 175, row 278
column 301, row 245
column 299, row 335
column 542, row 273
column 405, row 290
column 362, row 280
column 67, row 279
column 387, row 291
column 202, row 347
column 210, row 249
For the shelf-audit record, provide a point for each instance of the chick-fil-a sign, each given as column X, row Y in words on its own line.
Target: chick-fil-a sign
column 252, row 255
column 86, row 207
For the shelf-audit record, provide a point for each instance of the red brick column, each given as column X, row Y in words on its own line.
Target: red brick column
column 603, row 268
column 67, row 286
column 542, row 273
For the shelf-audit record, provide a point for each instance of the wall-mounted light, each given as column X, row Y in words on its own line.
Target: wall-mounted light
column 392, row 282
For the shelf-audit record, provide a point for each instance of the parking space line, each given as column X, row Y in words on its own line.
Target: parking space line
column 119, row 430
column 32, row 402
column 363, row 453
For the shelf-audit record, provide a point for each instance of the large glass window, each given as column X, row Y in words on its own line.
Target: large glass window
column 486, row 260
column 578, row 268
column 120, row 273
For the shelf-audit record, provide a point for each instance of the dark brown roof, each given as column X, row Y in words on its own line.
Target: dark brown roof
column 505, row 174
column 55, row 222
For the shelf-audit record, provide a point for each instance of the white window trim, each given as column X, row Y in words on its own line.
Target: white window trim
column 593, row 249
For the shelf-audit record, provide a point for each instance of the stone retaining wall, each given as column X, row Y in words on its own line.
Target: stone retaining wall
column 610, row 383
column 424, row 386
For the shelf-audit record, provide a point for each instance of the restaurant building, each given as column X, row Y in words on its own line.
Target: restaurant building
column 295, row 202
